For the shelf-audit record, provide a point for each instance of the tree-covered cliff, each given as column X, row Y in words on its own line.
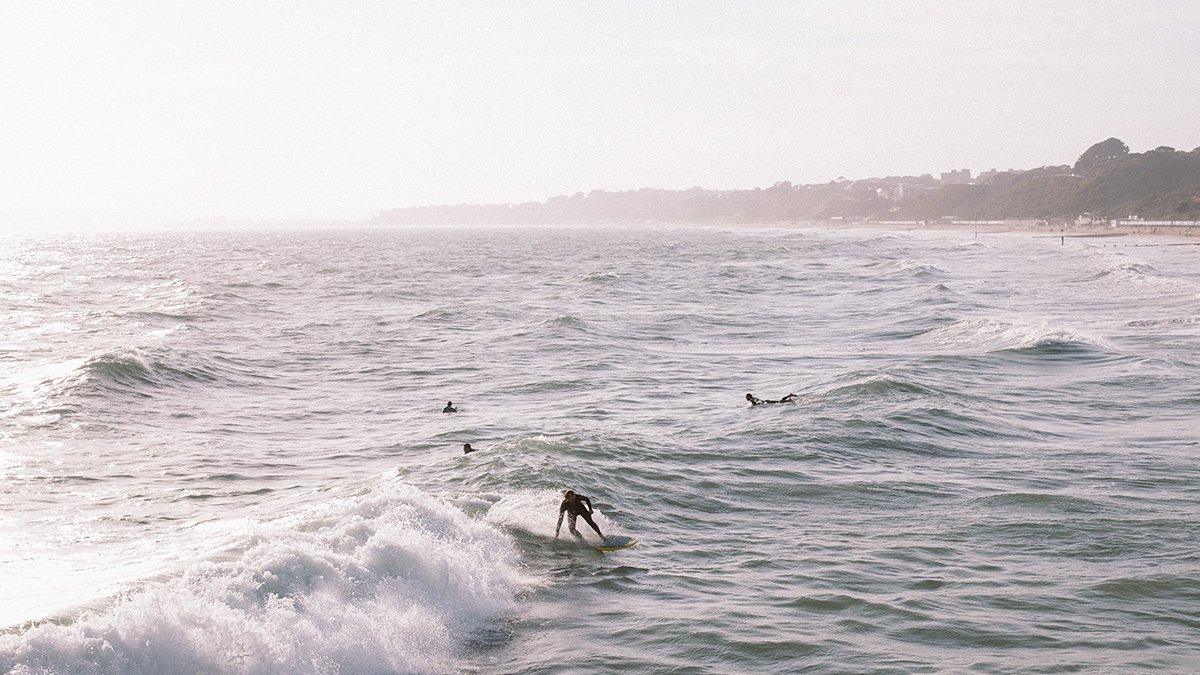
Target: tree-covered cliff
column 1107, row 181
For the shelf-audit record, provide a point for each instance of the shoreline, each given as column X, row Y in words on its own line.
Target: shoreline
column 1095, row 231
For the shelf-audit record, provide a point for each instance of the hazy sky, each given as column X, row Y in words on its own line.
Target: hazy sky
column 291, row 109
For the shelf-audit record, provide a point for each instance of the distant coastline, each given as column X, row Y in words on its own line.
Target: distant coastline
column 1097, row 229
column 1072, row 230
column 1152, row 192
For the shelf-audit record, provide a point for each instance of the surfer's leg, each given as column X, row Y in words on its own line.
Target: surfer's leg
column 571, row 526
column 588, row 519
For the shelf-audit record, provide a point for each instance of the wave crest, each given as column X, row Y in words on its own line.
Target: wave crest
column 597, row 277
column 135, row 367
column 388, row 581
column 46, row 393
column 917, row 268
column 995, row 335
column 1129, row 271
column 877, row 385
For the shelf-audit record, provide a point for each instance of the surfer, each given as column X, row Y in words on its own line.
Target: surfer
column 467, row 449
column 449, row 407
column 576, row 506
column 790, row 398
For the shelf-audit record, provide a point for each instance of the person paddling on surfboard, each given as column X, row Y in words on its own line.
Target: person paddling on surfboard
column 790, row 398
column 576, row 506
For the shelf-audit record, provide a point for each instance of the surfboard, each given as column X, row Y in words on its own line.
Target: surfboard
column 616, row 543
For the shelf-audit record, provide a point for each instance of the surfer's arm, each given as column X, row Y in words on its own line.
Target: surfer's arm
column 561, row 510
column 587, row 502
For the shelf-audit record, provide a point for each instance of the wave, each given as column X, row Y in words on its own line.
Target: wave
column 525, row 510
column 1171, row 321
column 1060, row 342
column 163, row 315
column 877, row 385
column 528, row 462
column 906, row 267
column 942, row 295
column 436, row 314
column 918, row 268
column 1165, row 586
column 1128, row 270
column 565, row 322
column 172, row 300
column 138, row 368
column 541, row 386
column 43, row 395
column 995, row 335
column 1041, row 501
column 388, row 580
column 597, row 277
column 825, row 603
column 1137, row 272
column 254, row 284
column 873, row 239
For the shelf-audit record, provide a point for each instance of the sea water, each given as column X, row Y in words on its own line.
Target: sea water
column 224, row 451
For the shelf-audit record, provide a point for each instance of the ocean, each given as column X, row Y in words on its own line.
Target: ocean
column 223, row 451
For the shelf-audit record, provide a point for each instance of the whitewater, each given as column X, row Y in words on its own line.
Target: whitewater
column 223, row 451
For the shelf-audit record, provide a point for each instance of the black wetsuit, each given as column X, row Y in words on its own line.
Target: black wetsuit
column 790, row 398
column 581, row 508
column 449, row 409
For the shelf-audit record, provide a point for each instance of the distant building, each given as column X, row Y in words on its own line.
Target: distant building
column 959, row 177
column 892, row 193
column 986, row 176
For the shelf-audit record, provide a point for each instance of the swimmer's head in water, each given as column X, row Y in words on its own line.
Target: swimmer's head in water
column 749, row 397
column 467, row 448
column 449, row 404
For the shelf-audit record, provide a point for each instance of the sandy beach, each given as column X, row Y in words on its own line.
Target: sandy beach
column 1160, row 234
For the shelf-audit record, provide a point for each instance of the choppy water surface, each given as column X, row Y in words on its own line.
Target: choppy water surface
column 224, row 451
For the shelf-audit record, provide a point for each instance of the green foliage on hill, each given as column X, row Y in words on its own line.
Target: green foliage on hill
column 1099, row 154
column 1106, row 181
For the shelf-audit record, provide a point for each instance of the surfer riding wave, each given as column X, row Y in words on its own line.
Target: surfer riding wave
column 576, row 506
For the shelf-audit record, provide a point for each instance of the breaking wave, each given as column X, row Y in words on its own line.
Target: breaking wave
column 985, row 335
column 49, row 391
column 1135, row 272
column 387, row 580
column 1130, row 271
column 597, row 277
column 918, row 268
column 134, row 367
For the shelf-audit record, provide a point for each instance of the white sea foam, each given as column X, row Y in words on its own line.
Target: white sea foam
column 1124, row 270
column 917, row 267
column 992, row 334
column 533, row 511
column 387, row 580
column 597, row 277
column 1128, row 270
